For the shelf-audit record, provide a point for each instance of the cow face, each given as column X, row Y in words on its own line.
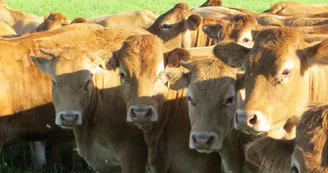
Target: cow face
column 240, row 29
column 139, row 61
column 71, row 71
column 211, row 96
column 311, row 142
column 52, row 21
column 277, row 79
column 174, row 26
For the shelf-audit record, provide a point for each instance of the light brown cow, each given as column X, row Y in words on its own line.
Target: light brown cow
column 275, row 20
column 307, row 153
column 211, row 115
column 22, row 22
column 52, row 21
column 138, row 18
column 297, row 8
column 282, row 74
column 180, row 27
column 6, row 29
column 162, row 114
column 96, row 148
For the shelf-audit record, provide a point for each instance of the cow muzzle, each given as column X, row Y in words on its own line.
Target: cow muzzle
column 253, row 122
column 69, row 118
column 204, row 142
column 142, row 114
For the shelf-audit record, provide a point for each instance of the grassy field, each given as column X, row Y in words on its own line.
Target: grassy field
column 89, row 8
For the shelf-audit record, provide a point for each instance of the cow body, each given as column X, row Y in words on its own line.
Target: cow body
column 22, row 22
column 297, row 8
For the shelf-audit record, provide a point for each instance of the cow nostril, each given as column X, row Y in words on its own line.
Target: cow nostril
column 194, row 139
column 210, row 141
column 253, row 120
column 76, row 115
column 148, row 114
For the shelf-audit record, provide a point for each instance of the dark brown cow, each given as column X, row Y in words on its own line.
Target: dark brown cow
column 212, row 3
column 305, row 154
column 52, row 21
column 101, row 147
column 297, row 8
column 283, row 73
column 162, row 114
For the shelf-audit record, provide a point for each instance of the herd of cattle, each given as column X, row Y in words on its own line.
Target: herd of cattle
column 207, row 90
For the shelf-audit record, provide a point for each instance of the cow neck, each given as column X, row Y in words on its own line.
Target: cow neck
column 170, row 114
column 105, row 93
column 232, row 151
column 318, row 84
column 199, row 38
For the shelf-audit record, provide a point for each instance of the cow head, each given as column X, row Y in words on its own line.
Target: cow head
column 52, row 21
column 241, row 29
column 306, row 153
column 71, row 71
column 174, row 26
column 211, row 96
column 139, row 61
column 311, row 142
column 277, row 79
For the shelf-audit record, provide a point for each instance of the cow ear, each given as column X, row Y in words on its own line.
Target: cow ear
column 315, row 55
column 273, row 154
column 193, row 22
column 46, row 16
column 42, row 63
column 173, row 58
column 113, row 62
column 212, row 29
column 100, row 57
column 231, row 53
column 174, row 78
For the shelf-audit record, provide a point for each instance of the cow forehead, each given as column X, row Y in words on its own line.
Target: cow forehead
column 211, row 79
column 62, row 65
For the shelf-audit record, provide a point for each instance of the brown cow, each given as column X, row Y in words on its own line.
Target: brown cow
column 305, row 154
column 52, row 21
column 84, row 35
column 211, row 115
column 181, row 28
column 212, row 3
column 161, row 113
column 282, row 74
column 22, row 22
column 297, row 8
column 275, row 20
column 244, row 28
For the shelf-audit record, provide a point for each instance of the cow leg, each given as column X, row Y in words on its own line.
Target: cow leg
column 38, row 154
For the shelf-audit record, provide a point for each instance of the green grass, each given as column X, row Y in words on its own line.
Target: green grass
column 89, row 8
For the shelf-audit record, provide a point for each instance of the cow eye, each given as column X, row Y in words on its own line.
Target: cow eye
column 54, row 84
column 286, row 72
column 192, row 102
column 245, row 40
column 166, row 26
column 86, row 84
column 229, row 101
column 122, row 77
column 295, row 169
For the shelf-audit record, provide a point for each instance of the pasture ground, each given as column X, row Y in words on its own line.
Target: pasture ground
column 89, row 8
